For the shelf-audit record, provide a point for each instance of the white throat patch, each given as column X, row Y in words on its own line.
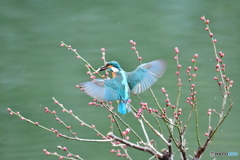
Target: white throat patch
column 114, row 69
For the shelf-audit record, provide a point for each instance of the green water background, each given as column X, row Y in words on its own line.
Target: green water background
column 34, row 68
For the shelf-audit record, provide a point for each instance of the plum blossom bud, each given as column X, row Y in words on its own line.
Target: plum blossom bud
column 163, row 90
column 124, row 133
column 207, row 21
column 112, row 150
column 127, row 130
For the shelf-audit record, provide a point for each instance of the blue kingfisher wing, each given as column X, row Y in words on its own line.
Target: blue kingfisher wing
column 102, row 89
column 145, row 75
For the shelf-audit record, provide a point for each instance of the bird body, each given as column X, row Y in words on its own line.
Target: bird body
column 119, row 87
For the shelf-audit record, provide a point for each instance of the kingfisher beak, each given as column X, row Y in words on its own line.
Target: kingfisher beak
column 103, row 68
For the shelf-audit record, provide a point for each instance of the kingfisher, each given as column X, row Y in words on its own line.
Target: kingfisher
column 123, row 83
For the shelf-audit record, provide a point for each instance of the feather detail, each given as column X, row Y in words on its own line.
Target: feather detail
column 145, row 75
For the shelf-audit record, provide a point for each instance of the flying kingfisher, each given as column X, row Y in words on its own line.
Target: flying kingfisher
column 119, row 87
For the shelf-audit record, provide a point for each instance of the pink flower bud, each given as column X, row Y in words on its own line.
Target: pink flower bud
column 103, row 49
column 47, row 153
column 124, row 133
column 163, row 90
column 207, row 21
column 179, row 84
column 195, row 55
column 127, row 130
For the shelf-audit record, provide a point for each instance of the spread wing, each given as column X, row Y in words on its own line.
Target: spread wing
column 102, row 89
column 145, row 75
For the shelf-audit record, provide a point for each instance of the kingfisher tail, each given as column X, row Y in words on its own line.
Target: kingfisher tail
column 123, row 107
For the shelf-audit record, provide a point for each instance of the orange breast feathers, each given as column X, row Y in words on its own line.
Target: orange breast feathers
column 113, row 73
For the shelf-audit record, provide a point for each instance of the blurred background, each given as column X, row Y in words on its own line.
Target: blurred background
column 34, row 68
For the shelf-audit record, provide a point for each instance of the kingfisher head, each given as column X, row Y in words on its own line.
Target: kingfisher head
column 112, row 66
